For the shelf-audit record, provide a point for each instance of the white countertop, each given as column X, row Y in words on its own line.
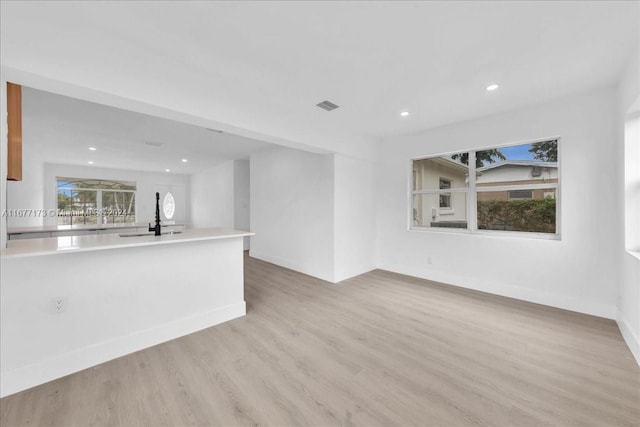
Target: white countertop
column 47, row 228
column 59, row 245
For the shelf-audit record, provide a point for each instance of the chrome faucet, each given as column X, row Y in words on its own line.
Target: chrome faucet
column 156, row 228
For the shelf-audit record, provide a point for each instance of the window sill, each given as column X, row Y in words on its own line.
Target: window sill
column 491, row 233
column 635, row 254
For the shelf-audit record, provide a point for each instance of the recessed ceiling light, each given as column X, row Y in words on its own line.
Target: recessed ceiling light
column 184, row 160
column 493, row 86
column 92, row 148
column 404, row 113
column 167, row 170
column 90, row 162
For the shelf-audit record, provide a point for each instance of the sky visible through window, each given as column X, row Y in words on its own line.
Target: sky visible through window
column 518, row 152
column 546, row 151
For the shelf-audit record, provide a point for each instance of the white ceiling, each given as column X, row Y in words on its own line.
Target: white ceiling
column 59, row 129
column 263, row 66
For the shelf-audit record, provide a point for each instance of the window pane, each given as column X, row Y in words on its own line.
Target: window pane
column 428, row 211
column 98, row 184
column 64, row 206
column 76, row 207
column 445, row 184
column 498, row 211
column 445, row 200
column 118, row 207
column 77, row 201
column 441, row 172
column 535, row 163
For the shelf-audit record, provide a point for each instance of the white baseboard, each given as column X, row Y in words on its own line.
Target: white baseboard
column 50, row 369
column 308, row 269
column 580, row 305
column 630, row 337
column 355, row 272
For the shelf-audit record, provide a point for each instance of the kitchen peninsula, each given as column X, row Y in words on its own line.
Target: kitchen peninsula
column 64, row 309
column 35, row 232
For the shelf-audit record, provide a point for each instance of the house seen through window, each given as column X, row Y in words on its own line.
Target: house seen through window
column 512, row 188
column 95, row 201
column 445, row 198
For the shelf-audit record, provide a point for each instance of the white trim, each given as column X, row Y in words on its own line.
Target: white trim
column 489, row 189
column 635, row 254
column 558, row 191
column 38, row 373
column 452, row 190
column 472, row 191
column 491, row 233
column 594, row 307
column 307, row 267
column 633, row 342
column 472, row 195
column 410, row 195
column 97, row 189
column 519, row 234
column 441, row 230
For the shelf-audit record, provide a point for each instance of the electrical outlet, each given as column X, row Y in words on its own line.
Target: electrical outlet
column 58, row 305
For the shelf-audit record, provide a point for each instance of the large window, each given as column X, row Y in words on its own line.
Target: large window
column 94, row 201
column 632, row 182
column 505, row 189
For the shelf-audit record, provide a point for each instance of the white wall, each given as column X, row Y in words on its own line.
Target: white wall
column 578, row 272
column 355, row 217
column 212, row 197
column 628, row 315
column 28, row 193
column 241, row 198
column 3, row 161
column 37, row 190
column 313, row 213
column 292, row 210
column 118, row 301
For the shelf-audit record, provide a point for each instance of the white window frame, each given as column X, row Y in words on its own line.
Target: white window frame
column 472, row 190
column 631, row 180
column 99, row 206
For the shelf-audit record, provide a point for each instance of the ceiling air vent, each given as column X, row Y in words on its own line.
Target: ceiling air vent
column 153, row 143
column 327, row 105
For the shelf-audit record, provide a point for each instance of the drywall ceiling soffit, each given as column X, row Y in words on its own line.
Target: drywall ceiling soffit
column 263, row 66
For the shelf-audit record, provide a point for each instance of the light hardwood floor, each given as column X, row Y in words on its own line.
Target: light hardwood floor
column 379, row 349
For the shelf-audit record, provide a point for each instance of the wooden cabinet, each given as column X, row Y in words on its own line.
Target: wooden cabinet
column 14, row 132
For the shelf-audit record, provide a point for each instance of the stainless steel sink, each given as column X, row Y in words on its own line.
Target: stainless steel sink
column 148, row 234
